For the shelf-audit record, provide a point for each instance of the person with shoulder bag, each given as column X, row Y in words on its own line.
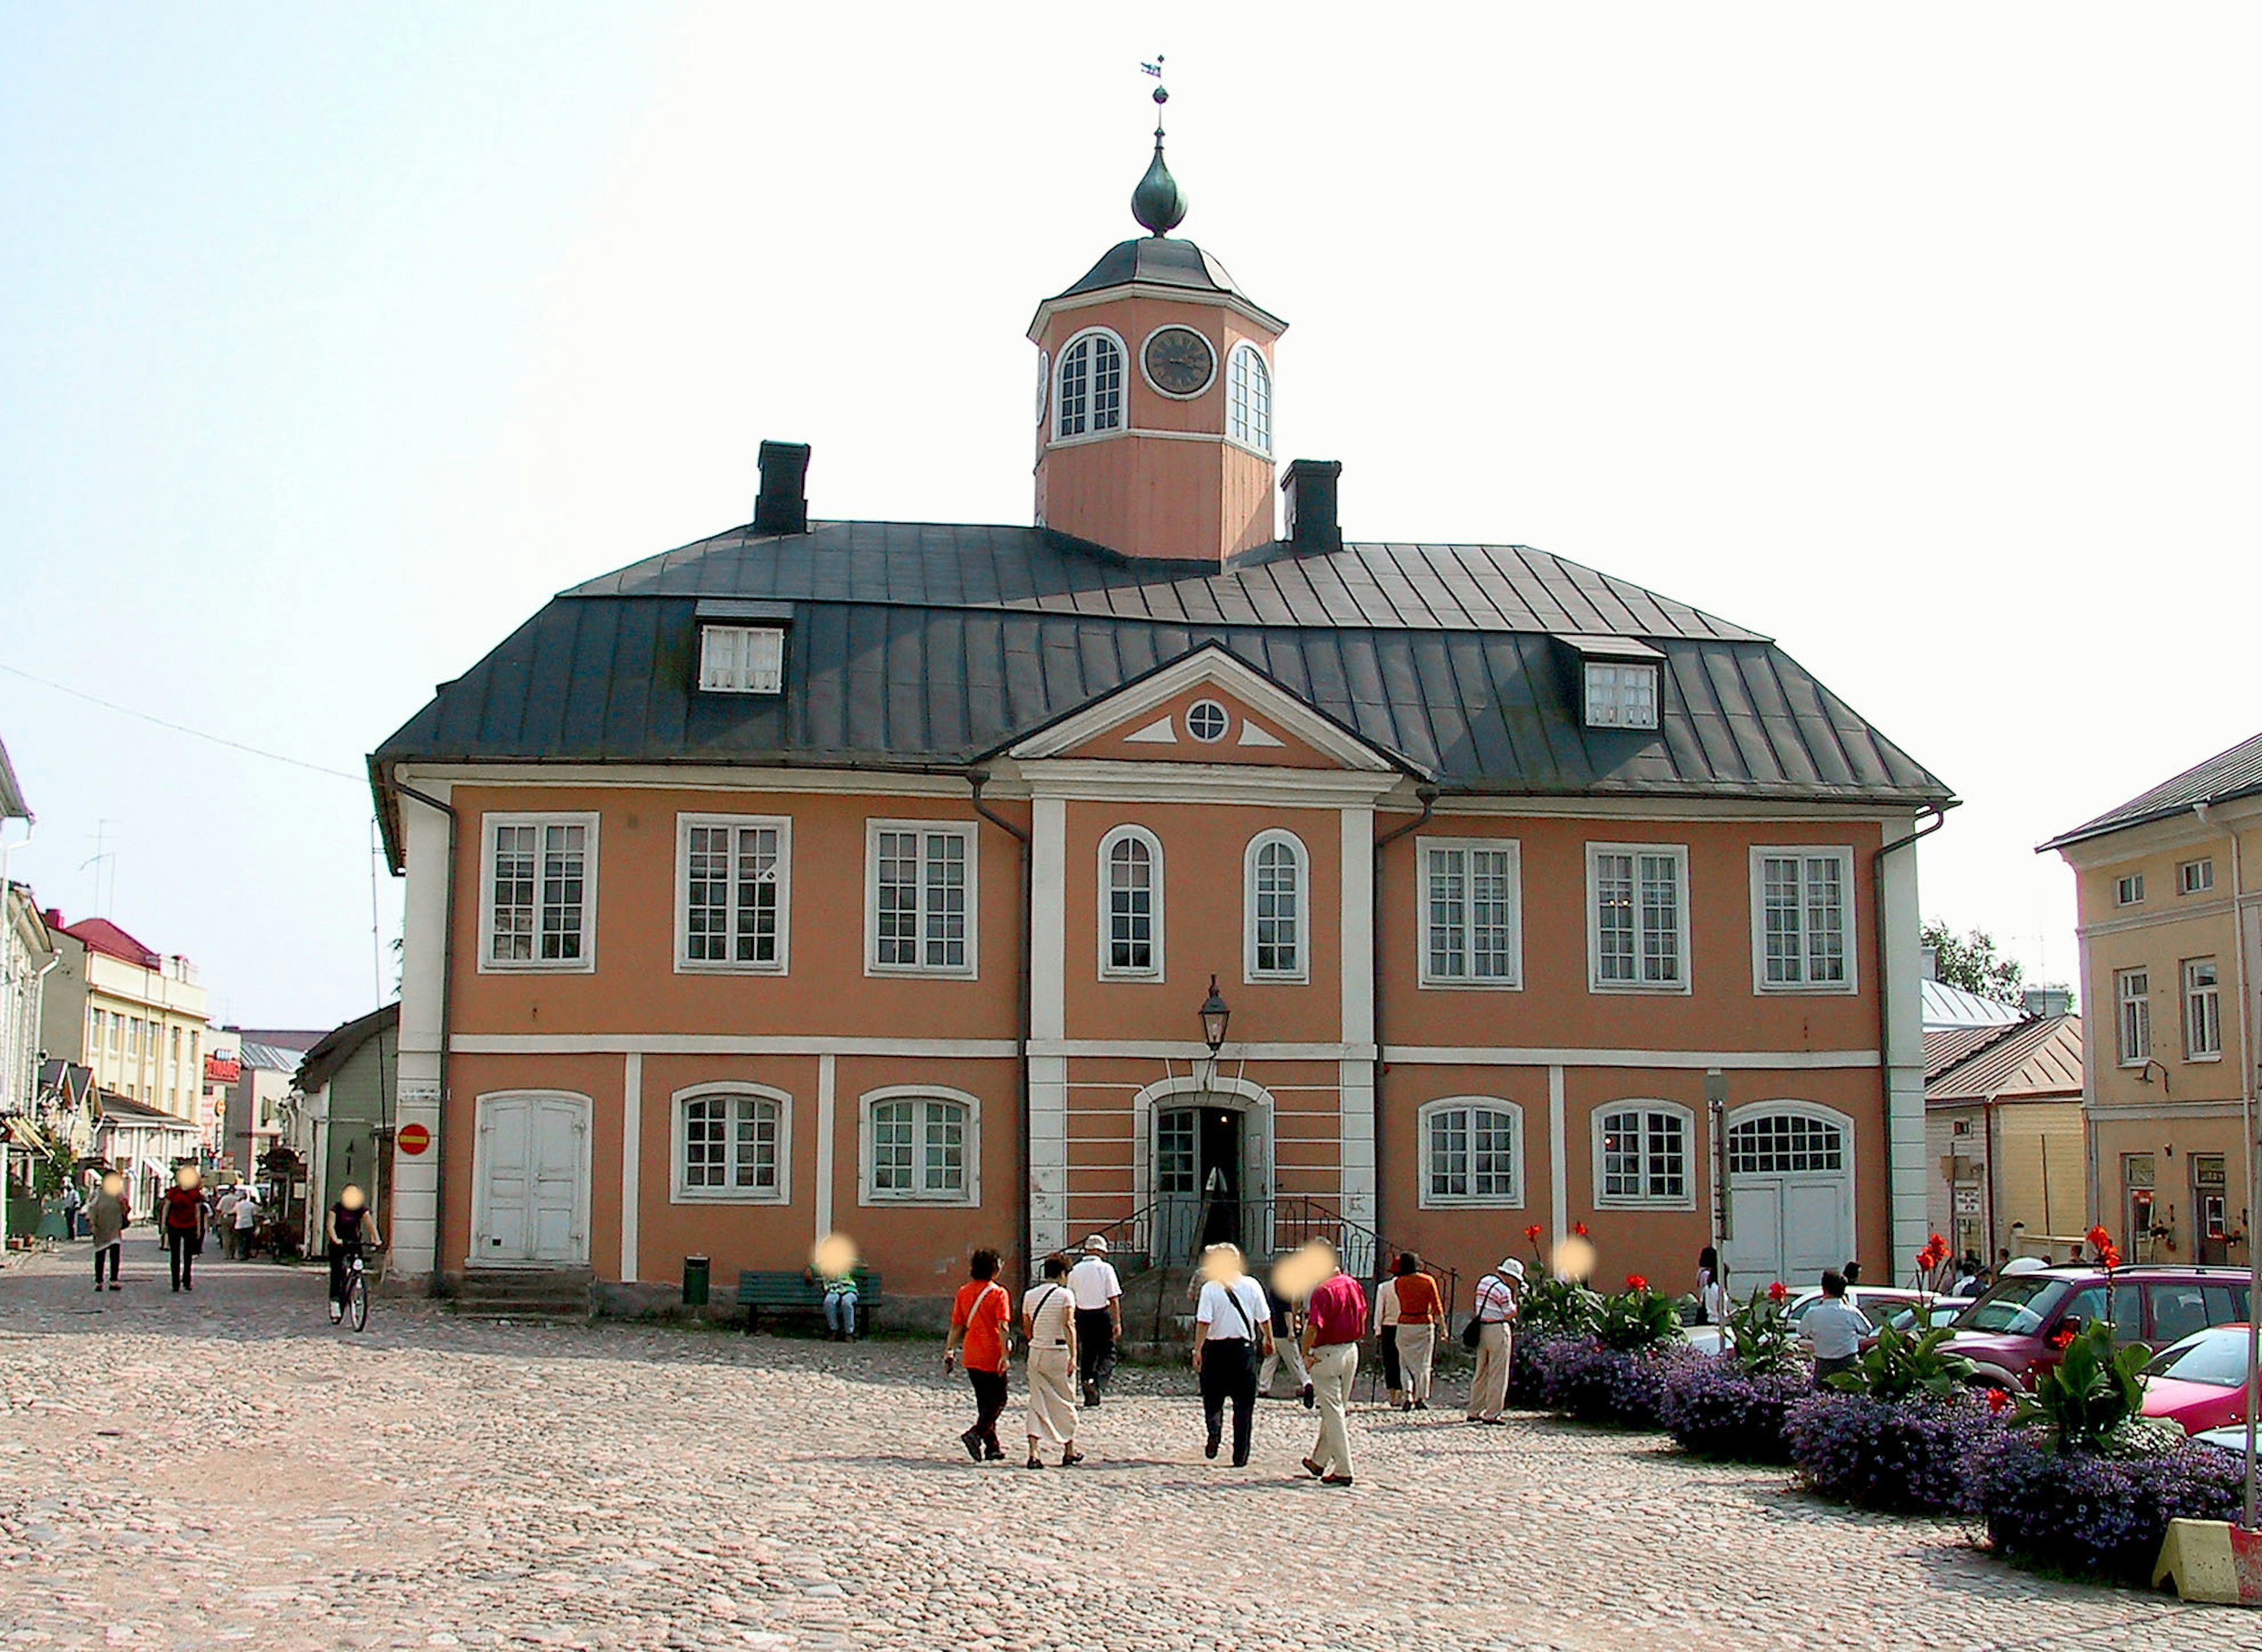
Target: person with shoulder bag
column 1049, row 1322
column 1492, row 1320
column 980, row 1319
column 1232, row 1325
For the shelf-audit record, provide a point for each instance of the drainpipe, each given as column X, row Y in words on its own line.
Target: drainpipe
column 1884, row 997
column 1428, row 795
column 2205, row 811
column 447, row 1024
column 977, row 779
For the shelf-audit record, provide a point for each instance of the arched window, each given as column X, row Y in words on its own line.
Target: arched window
column 921, row 1146
column 1091, row 386
column 1644, row 1154
column 1131, row 903
column 1249, row 399
column 1473, row 1153
column 1276, row 899
column 730, row 1143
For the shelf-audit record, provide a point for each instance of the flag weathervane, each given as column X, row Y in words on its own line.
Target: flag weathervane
column 1158, row 202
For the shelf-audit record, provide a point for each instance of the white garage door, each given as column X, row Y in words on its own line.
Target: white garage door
column 1791, row 1188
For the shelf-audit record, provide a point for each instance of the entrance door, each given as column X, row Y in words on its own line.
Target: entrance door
column 532, row 1184
column 1790, row 1187
column 2210, row 1208
column 1199, row 1180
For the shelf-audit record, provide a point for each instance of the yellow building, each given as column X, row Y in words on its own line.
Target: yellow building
column 135, row 1016
column 2170, row 893
column 2003, row 1132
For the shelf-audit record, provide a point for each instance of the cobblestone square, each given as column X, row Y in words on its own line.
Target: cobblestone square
column 224, row 1468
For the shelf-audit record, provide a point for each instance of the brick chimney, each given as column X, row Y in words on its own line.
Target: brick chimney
column 782, row 505
column 1310, row 486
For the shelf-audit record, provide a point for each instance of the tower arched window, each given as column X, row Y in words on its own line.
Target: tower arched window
column 1091, row 395
column 1276, row 898
column 1249, row 397
column 1131, row 898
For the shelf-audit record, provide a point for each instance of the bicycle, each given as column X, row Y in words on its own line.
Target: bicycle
column 355, row 1310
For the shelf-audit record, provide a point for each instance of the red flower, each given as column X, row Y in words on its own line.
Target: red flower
column 1778, row 1292
column 2062, row 1338
column 1532, row 1233
column 2100, row 1240
column 1579, row 1228
column 1635, row 1282
column 2111, row 1258
column 1998, row 1400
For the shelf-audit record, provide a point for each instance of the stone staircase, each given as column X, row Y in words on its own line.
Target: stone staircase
column 555, row 1295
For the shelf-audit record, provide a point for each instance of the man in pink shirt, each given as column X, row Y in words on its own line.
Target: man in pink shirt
column 1334, row 1321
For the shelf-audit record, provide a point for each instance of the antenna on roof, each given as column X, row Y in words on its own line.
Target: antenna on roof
column 1158, row 202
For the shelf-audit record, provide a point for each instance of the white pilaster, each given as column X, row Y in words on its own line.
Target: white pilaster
column 1559, row 1168
column 828, row 1068
column 1048, row 1120
column 1901, row 925
column 631, row 1160
column 424, row 938
column 1047, row 1153
column 1356, row 906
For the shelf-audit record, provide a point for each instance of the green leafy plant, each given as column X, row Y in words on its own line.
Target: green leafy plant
column 1637, row 1318
column 2092, row 1402
column 1759, row 1338
column 1559, row 1307
column 1899, row 1367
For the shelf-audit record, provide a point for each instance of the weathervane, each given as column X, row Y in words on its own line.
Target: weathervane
column 1158, row 202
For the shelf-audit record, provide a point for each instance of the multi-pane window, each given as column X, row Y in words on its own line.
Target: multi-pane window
column 1471, row 1151
column 742, row 659
column 1784, row 1143
column 1803, row 896
column 917, row 1149
column 1635, row 895
column 1621, row 696
column 922, row 914
column 1469, row 898
column 2130, row 890
column 1132, row 884
column 537, row 891
column 1276, row 907
column 733, row 1145
column 1178, row 1172
column 2202, row 1009
column 2195, row 877
column 1643, row 1156
column 1091, row 386
column 734, row 873
column 1249, row 399
column 2132, row 994
column 117, row 1032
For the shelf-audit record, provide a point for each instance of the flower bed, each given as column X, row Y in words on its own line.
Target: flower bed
column 2094, row 1517
column 1591, row 1383
column 1716, row 1408
column 1896, row 1456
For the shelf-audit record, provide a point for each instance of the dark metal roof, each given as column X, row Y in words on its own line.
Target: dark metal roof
column 2237, row 772
column 338, row 1046
column 2038, row 1058
column 1156, row 260
column 916, row 646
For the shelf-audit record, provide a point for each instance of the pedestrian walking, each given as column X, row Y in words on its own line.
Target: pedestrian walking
column 1098, row 1295
column 1421, row 1311
column 1286, row 1348
column 106, row 1218
column 1495, row 1316
column 1386, row 1339
column 1049, row 1322
column 183, row 1225
column 1712, row 1289
column 72, row 1206
column 245, row 1218
column 1232, row 1325
column 978, row 1319
column 1834, row 1328
column 1335, row 1318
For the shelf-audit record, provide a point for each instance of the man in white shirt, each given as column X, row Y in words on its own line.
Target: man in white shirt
column 1232, row 1325
column 1098, row 1295
column 1834, row 1328
column 246, row 1215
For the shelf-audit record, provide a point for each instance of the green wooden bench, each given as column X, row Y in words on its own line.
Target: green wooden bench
column 778, row 1291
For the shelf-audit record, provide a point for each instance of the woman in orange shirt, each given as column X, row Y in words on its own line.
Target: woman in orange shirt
column 1421, row 1310
column 978, row 1319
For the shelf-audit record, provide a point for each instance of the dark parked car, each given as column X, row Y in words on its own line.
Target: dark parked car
column 2019, row 1327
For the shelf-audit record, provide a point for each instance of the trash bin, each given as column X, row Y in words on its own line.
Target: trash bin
column 694, row 1281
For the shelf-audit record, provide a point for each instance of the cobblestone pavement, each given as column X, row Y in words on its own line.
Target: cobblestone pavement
column 203, row 1470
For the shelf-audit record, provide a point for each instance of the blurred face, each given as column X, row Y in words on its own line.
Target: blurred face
column 113, row 1184
column 186, row 1177
column 833, row 1256
column 351, row 1199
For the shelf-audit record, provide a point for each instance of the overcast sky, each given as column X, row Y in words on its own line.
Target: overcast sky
column 333, row 341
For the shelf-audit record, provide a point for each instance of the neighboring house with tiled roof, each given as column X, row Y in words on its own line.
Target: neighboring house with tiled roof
column 2169, row 890
column 867, row 875
column 2003, row 1126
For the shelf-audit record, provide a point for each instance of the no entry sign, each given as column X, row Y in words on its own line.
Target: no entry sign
column 413, row 1139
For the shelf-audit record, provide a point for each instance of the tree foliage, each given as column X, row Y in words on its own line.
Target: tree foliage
column 1972, row 962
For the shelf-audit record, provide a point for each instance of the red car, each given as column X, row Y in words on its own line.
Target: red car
column 2201, row 1382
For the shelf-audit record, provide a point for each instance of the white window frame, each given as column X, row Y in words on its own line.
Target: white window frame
column 2196, row 877
column 1423, row 916
column 1240, row 401
column 1691, row 1158
column 2129, row 889
column 1432, row 1200
column 2132, row 1017
column 1109, row 970
column 739, row 677
column 971, row 968
column 586, row 964
column 2202, row 1010
column 1610, row 709
column 969, row 1196
column 685, row 825
column 1249, row 973
column 1848, row 934
column 679, row 1148
column 1091, row 432
column 1595, row 982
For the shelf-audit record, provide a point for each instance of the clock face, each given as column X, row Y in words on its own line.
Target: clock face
column 1179, row 362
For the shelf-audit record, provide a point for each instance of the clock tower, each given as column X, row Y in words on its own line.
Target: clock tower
column 1154, row 395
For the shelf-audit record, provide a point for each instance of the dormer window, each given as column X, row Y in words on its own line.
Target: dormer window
column 1091, row 386
column 742, row 659
column 1621, row 695
column 1249, row 399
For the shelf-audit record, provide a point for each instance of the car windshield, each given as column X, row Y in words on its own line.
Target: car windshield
column 2017, row 1307
column 2217, row 1358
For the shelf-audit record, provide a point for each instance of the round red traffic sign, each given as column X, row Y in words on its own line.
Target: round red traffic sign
column 413, row 1139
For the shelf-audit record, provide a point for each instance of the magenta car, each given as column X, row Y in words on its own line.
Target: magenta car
column 2020, row 1328
column 2201, row 1382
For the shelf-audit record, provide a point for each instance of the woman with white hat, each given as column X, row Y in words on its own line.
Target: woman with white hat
column 1494, row 1315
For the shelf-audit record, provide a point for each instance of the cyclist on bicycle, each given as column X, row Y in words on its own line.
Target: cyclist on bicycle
column 352, row 1229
